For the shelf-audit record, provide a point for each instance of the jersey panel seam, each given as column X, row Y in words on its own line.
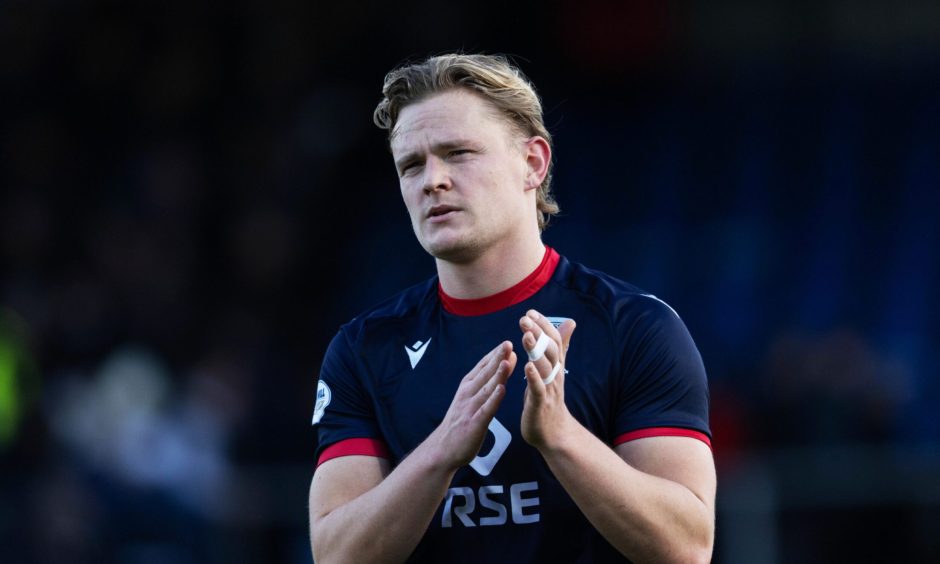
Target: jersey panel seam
column 612, row 338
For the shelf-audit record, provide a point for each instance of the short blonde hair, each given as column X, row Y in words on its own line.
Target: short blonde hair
column 492, row 77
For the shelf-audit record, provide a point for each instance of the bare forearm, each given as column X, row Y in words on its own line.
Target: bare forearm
column 385, row 523
column 647, row 518
column 364, row 513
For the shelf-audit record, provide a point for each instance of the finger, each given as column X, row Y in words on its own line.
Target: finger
column 563, row 335
column 512, row 363
column 474, row 380
column 481, row 364
column 566, row 329
column 497, row 379
column 536, row 387
column 487, row 363
column 495, row 355
column 503, row 372
column 536, row 345
column 488, row 408
column 528, row 337
column 544, row 324
column 549, row 355
column 548, row 360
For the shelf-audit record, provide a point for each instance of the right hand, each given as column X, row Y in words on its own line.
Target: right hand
column 460, row 435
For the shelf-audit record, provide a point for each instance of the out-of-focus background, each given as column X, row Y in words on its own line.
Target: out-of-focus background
column 194, row 199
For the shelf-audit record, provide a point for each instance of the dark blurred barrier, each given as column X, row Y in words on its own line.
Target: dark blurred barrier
column 837, row 504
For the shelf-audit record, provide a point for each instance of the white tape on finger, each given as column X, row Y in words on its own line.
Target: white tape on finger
column 539, row 349
column 551, row 377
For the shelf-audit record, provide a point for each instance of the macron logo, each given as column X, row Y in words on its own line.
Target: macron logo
column 416, row 351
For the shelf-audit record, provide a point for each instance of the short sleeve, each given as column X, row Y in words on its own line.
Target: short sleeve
column 343, row 408
column 663, row 389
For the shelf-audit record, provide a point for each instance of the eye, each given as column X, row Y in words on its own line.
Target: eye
column 408, row 167
column 458, row 152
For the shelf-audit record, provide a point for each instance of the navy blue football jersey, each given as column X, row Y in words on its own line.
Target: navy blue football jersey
column 389, row 376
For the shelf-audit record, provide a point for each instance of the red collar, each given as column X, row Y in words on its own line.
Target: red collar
column 510, row 296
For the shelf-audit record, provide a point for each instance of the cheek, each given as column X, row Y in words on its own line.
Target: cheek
column 409, row 197
column 507, row 190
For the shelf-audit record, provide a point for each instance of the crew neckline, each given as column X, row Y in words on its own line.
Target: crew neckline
column 523, row 290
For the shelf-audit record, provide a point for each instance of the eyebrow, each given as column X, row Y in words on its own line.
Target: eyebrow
column 443, row 146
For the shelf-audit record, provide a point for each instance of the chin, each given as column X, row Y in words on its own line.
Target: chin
column 452, row 250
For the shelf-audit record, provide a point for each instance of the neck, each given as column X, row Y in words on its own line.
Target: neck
column 498, row 268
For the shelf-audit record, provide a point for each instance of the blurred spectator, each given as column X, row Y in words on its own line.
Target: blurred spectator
column 830, row 389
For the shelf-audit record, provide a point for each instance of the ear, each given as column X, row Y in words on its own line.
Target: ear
column 538, row 155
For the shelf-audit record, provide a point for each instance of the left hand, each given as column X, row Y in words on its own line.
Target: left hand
column 544, row 414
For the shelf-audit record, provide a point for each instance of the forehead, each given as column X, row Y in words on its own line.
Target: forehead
column 447, row 116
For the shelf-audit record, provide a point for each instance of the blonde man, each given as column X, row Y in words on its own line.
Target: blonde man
column 435, row 444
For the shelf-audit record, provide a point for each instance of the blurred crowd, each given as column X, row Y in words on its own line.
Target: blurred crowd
column 193, row 199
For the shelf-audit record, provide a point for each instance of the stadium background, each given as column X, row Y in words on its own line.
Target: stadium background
column 194, row 199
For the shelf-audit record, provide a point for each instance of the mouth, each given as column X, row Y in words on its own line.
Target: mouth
column 441, row 212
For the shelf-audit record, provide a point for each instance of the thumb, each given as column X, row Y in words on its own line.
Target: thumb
column 566, row 329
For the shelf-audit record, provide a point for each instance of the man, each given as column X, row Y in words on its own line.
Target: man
column 435, row 443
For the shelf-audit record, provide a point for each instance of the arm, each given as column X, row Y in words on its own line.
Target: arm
column 653, row 499
column 363, row 511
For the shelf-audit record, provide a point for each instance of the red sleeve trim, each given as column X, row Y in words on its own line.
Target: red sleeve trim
column 663, row 432
column 524, row 290
column 351, row 447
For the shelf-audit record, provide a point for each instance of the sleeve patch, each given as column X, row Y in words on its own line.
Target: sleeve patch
column 324, row 395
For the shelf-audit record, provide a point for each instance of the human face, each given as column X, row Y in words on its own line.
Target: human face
column 463, row 173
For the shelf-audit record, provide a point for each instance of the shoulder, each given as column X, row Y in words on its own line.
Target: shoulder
column 621, row 300
column 399, row 308
column 355, row 340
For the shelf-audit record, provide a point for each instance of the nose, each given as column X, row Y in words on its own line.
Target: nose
column 436, row 175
